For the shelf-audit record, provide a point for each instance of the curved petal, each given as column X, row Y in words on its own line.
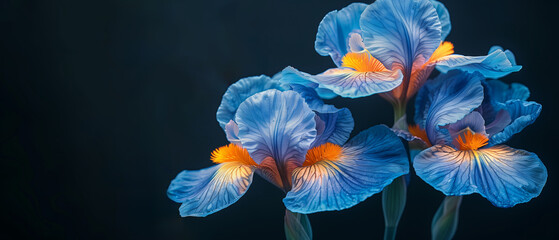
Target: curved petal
column 444, row 18
column 499, row 91
column 241, row 90
column 232, row 133
column 401, row 33
column 456, row 95
column 334, row 31
column 276, row 124
column 503, row 175
column 292, row 76
column 496, row 64
column 209, row 190
column 522, row 114
column 347, row 82
column 474, row 121
column 366, row 164
column 336, row 129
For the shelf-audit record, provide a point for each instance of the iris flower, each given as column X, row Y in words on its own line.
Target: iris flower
column 466, row 120
column 288, row 136
column 391, row 47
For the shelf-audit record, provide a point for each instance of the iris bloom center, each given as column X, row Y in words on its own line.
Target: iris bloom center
column 362, row 62
column 467, row 140
column 327, row 151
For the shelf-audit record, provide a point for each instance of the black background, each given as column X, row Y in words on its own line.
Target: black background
column 104, row 102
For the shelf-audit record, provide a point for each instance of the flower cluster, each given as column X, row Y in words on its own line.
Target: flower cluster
column 281, row 129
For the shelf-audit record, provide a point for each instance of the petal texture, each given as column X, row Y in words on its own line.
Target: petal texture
column 401, row 33
column 521, row 114
column 334, row 31
column 209, row 190
column 503, row 175
column 496, row 64
column 276, row 124
column 444, row 18
column 347, row 82
column 367, row 163
column 241, row 90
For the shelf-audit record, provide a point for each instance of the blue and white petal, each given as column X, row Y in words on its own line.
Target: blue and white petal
column 241, row 90
column 276, row 124
column 292, row 77
column 369, row 162
column 503, row 175
column 444, row 18
column 347, row 82
column 401, row 33
column 522, row 114
column 209, row 190
column 457, row 95
column 496, row 64
column 336, row 127
column 334, row 31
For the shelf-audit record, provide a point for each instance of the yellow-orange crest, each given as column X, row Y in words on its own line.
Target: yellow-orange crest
column 445, row 49
column 362, row 62
column 327, row 151
column 471, row 141
column 232, row 153
column 419, row 132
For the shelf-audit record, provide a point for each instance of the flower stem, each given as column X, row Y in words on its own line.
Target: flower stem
column 394, row 195
column 445, row 221
column 297, row 226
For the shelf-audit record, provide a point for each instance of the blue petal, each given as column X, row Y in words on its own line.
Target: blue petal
column 334, row 31
column 503, row 175
column 276, row 124
column 292, row 76
column 522, row 114
column 444, row 18
column 501, row 92
column 474, row 121
column 241, row 90
column 232, row 132
column 401, row 33
column 336, row 127
column 347, row 82
column 456, row 95
column 496, row 64
column 368, row 163
column 209, row 190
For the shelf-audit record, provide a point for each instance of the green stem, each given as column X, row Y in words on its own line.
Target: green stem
column 297, row 226
column 394, row 195
column 445, row 221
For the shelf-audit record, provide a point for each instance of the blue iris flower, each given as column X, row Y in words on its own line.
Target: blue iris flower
column 391, row 47
column 288, row 136
column 465, row 120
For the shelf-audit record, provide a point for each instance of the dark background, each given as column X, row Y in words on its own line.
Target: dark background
column 104, row 102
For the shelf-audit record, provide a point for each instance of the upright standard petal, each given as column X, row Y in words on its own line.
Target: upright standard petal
column 276, row 124
column 496, row 64
column 336, row 127
column 401, row 33
column 503, row 175
column 456, row 96
column 501, row 92
column 444, row 18
column 521, row 114
column 241, row 90
column 334, row 31
column 209, row 190
column 336, row 178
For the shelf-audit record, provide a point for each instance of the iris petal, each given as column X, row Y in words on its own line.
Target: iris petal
column 448, row 99
column 522, row 114
column 276, row 124
column 347, row 82
column 337, row 127
column 401, row 33
column 503, row 175
column 241, row 90
column 444, row 18
column 209, row 190
column 496, row 64
column 499, row 91
column 368, row 163
column 292, row 76
column 334, row 31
